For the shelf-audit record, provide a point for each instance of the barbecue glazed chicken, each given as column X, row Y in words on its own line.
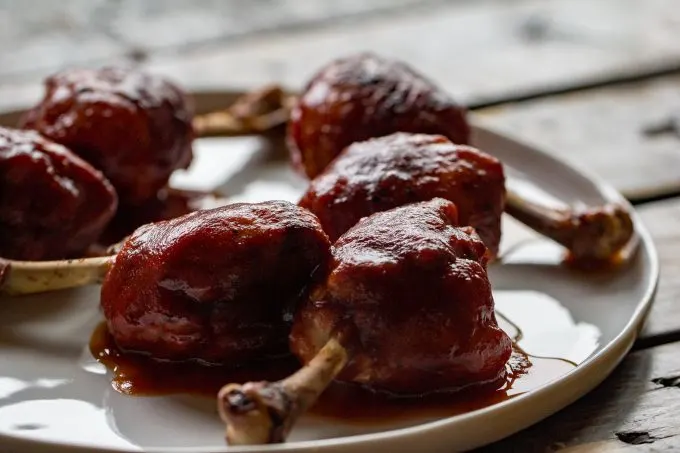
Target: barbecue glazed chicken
column 408, row 295
column 213, row 286
column 136, row 128
column 364, row 96
column 398, row 169
column 53, row 204
column 404, row 307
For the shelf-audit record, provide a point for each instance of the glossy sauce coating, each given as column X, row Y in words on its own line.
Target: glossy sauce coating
column 407, row 293
column 53, row 205
column 135, row 374
column 364, row 96
column 214, row 286
column 391, row 171
column 134, row 127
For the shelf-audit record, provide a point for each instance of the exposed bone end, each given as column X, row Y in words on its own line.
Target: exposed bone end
column 601, row 232
column 255, row 413
column 4, row 271
column 265, row 100
column 265, row 412
column 596, row 234
column 252, row 113
column 115, row 248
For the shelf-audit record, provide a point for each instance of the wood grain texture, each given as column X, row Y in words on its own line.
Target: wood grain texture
column 663, row 221
column 635, row 409
column 40, row 36
column 479, row 51
column 606, row 130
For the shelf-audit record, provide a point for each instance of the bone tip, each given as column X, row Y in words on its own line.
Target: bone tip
column 624, row 217
column 603, row 233
column 248, row 422
column 4, row 270
column 621, row 226
column 233, row 400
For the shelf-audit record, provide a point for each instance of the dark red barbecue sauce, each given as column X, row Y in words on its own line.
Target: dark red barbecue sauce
column 139, row 375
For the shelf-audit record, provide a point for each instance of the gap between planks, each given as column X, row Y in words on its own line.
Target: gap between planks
column 485, row 53
column 617, row 131
column 663, row 323
column 597, row 82
column 634, row 409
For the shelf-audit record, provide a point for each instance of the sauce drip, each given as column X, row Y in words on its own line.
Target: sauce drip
column 140, row 375
column 135, row 374
column 596, row 265
column 355, row 405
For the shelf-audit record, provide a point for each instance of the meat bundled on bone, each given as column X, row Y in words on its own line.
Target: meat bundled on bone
column 363, row 96
column 214, row 286
column 398, row 169
column 404, row 307
column 53, row 204
column 134, row 127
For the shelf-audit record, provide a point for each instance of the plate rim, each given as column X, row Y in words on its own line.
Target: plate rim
column 623, row 341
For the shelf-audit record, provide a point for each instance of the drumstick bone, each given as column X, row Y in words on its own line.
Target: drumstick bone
column 255, row 112
column 27, row 277
column 590, row 234
column 264, row 412
column 347, row 322
column 595, row 233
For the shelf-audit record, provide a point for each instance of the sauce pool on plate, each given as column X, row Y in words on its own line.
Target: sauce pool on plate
column 134, row 374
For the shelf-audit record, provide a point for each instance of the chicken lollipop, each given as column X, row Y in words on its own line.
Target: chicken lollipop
column 366, row 96
column 363, row 96
column 215, row 285
column 134, row 127
column 404, row 307
column 391, row 171
column 52, row 203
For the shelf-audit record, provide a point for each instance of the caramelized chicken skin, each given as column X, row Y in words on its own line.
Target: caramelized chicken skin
column 407, row 294
column 386, row 172
column 134, row 127
column 363, row 96
column 215, row 285
column 53, row 204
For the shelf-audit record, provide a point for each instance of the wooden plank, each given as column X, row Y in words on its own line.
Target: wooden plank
column 46, row 35
column 40, row 40
column 635, row 409
column 663, row 221
column 155, row 27
column 479, row 51
column 605, row 130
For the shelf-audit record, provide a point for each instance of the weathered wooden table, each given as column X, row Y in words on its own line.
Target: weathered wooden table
column 594, row 81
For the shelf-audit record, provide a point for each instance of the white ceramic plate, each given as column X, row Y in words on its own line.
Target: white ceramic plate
column 54, row 396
